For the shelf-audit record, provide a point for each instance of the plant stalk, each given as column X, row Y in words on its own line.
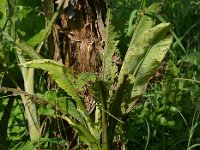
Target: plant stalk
column 104, row 119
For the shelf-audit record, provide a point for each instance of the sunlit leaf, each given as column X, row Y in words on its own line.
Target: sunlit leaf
column 2, row 12
column 36, row 39
column 25, row 49
column 149, row 65
column 60, row 74
column 84, row 134
column 45, row 111
column 109, row 66
column 139, row 49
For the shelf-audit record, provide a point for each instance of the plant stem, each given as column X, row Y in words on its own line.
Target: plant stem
column 104, row 119
column 116, row 100
column 28, row 75
column 30, row 107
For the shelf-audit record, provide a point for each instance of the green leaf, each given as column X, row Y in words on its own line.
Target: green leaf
column 83, row 78
column 143, row 58
column 139, row 49
column 84, row 134
column 65, row 105
column 59, row 141
column 36, row 39
column 130, row 22
column 23, row 146
column 147, row 21
column 24, row 48
column 171, row 69
column 3, row 104
column 61, row 75
column 30, row 22
column 150, row 64
column 29, row 3
column 109, row 67
column 192, row 59
column 100, row 92
column 45, row 111
column 72, row 110
column 2, row 12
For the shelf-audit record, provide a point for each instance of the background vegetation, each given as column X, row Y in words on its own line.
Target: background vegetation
column 166, row 117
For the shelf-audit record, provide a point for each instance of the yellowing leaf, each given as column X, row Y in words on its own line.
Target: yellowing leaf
column 139, row 48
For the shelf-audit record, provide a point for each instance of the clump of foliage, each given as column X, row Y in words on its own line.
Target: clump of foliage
column 168, row 116
column 58, row 118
